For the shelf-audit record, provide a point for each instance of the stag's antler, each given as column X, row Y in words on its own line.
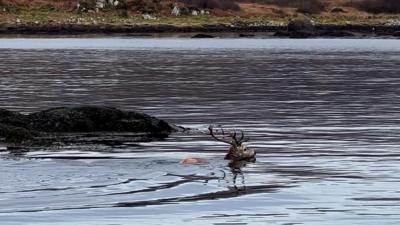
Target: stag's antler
column 232, row 136
column 211, row 129
column 237, row 150
column 242, row 138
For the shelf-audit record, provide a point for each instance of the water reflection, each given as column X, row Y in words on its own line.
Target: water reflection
column 324, row 123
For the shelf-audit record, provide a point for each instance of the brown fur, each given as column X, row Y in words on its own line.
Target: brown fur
column 194, row 161
column 240, row 152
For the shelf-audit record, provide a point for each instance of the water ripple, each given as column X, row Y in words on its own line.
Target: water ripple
column 324, row 122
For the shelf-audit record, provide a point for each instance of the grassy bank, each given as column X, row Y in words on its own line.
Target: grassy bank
column 250, row 15
column 43, row 17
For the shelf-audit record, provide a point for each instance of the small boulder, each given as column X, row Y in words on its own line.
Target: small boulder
column 176, row 11
column 246, row 35
column 300, row 24
column 147, row 16
column 299, row 27
column 100, row 4
column 338, row 10
column 203, row 36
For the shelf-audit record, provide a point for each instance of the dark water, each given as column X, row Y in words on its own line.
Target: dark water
column 323, row 116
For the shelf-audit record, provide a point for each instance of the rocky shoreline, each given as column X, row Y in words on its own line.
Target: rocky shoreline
column 88, row 124
column 348, row 31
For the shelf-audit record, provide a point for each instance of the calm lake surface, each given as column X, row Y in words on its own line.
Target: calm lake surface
column 323, row 116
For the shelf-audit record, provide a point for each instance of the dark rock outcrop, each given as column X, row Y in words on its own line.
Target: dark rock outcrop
column 299, row 27
column 396, row 34
column 66, row 123
column 301, row 24
column 319, row 30
column 303, row 27
column 335, row 33
column 295, row 34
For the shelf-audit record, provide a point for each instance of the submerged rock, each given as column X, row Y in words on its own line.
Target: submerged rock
column 76, row 123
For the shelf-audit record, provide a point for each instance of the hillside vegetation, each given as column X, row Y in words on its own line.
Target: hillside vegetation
column 192, row 12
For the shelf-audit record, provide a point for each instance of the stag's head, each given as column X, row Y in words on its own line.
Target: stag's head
column 238, row 150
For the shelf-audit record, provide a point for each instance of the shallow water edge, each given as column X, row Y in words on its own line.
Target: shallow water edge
column 218, row 30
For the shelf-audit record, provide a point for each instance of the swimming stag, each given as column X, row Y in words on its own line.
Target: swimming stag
column 238, row 150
